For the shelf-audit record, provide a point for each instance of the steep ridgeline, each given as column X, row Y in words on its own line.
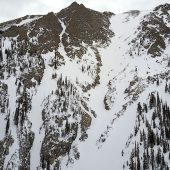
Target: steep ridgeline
column 85, row 90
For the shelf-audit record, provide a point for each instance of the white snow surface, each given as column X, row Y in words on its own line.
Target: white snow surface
column 27, row 21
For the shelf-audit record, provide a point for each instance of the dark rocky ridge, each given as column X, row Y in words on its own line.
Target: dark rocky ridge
column 164, row 7
column 7, row 24
column 49, row 38
column 154, row 28
column 83, row 25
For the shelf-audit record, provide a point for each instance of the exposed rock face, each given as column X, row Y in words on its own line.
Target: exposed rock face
column 85, row 31
column 153, row 32
column 49, row 28
column 3, row 97
column 40, row 36
column 164, row 8
column 5, row 144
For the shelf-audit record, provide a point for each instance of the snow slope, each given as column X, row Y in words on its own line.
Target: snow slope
column 118, row 65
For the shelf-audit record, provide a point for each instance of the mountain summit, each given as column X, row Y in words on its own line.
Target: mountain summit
column 85, row 90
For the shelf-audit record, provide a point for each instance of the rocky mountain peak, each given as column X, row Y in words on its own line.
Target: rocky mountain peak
column 163, row 7
column 75, row 5
column 71, row 9
column 154, row 31
column 84, row 24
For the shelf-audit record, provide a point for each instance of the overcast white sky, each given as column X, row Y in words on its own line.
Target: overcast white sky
column 11, row 9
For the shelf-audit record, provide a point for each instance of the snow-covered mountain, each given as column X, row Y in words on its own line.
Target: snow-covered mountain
column 85, row 90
